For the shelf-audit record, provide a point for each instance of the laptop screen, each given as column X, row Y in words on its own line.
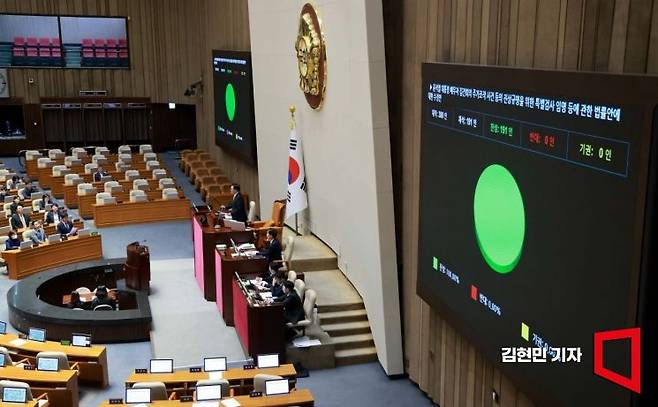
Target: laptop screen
column 48, row 364
column 214, row 364
column 271, row 360
column 278, row 386
column 134, row 396
column 161, row 366
column 14, row 395
column 36, row 334
column 3, row 327
column 210, row 392
column 81, row 340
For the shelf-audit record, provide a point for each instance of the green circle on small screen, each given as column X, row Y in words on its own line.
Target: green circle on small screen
column 229, row 96
column 499, row 217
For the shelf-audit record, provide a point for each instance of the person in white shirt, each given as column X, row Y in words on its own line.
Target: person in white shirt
column 20, row 220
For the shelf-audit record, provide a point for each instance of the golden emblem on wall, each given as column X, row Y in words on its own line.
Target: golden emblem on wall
column 311, row 57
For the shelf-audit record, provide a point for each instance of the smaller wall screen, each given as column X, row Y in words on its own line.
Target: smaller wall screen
column 63, row 42
column 234, row 111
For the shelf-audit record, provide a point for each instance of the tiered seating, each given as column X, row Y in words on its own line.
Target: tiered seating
column 33, row 51
column 207, row 177
column 104, row 52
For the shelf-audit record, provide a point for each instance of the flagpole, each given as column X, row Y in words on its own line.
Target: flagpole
column 292, row 126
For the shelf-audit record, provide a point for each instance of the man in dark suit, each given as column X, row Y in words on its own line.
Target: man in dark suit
column 236, row 206
column 99, row 174
column 54, row 216
column 65, row 226
column 273, row 251
column 101, row 298
column 20, row 220
column 293, row 311
column 14, row 205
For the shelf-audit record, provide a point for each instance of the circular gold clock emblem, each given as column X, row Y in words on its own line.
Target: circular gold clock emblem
column 311, row 57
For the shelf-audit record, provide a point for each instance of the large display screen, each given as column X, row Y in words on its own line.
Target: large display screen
column 533, row 214
column 63, row 41
column 234, row 107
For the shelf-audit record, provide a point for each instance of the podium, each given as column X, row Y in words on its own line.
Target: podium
column 137, row 268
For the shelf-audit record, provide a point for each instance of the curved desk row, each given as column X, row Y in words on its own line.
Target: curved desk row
column 128, row 213
column 23, row 262
column 70, row 192
column 86, row 202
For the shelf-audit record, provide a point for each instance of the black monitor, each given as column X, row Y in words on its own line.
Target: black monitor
column 36, row 334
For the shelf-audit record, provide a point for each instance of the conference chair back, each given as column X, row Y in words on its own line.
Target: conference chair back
column 300, row 288
column 226, row 386
column 251, row 216
column 292, row 276
column 7, row 358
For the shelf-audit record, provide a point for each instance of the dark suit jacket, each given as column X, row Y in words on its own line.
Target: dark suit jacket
column 43, row 204
column 273, row 251
column 237, row 208
column 105, row 300
column 64, row 228
column 99, row 175
column 293, row 311
column 16, row 221
column 50, row 218
column 277, row 291
column 13, row 208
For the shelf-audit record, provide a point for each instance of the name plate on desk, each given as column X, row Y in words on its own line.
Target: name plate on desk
column 186, row 399
column 249, row 366
column 141, row 371
column 256, row 394
column 116, row 401
column 28, row 367
column 195, row 369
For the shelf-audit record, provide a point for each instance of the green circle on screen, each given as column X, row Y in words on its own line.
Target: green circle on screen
column 499, row 217
column 229, row 97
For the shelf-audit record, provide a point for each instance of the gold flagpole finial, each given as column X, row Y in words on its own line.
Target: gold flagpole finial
column 292, row 110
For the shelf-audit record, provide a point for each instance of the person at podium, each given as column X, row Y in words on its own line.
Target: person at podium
column 99, row 174
column 20, row 220
column 236, row 207
column 65, row 227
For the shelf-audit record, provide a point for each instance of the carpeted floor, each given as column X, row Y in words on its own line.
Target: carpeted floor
column 187, row 328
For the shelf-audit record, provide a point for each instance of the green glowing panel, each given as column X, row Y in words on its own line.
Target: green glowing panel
column 499, row 218
column 435, row 263
column 525, row 331
column 229, row 96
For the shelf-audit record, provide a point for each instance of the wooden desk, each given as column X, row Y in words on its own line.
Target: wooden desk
column 205, row 239
column 299, row 397
column 184, row 381
column 22, row 263
column 226, row 265
column 86, row 202
column 33, row 403
column 128, row 213
column 71, row 191
column 62, row 386
column 92, row 360
column 57, row 182
column 51, row 229
column 261, row 328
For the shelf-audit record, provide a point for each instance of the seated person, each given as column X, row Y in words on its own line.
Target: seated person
column 29, row 189
column 20, row 220
column 236, row 207
column 273, row 251
column 45, row 200
column 14, row 205
column 277, row 284
column 13, row 242
column 65, row 226
column 11, row 183
column 38, row 235
column 102, row 297
column 3, row 193
column 54, row 216
column 75, row 301
column 293, row 311
column 268, row 277
column 99, row 174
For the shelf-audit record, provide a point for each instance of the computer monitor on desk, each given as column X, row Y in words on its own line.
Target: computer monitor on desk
column 14, row 395
column 267, row 360
column 36, row 334
column 208, row 392
column 106, row 178
column 3, row 327
column 235, row 225
column 48, row 364
column 82, row 340
column 276, row 387
column 137, row 396
column 2, row 360
column 161, row 366
column 26, row 245
column 214, row 364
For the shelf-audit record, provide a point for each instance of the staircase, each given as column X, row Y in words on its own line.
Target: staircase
column 348, row 327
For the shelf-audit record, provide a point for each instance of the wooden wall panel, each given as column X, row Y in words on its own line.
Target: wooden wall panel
column 596, row 35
